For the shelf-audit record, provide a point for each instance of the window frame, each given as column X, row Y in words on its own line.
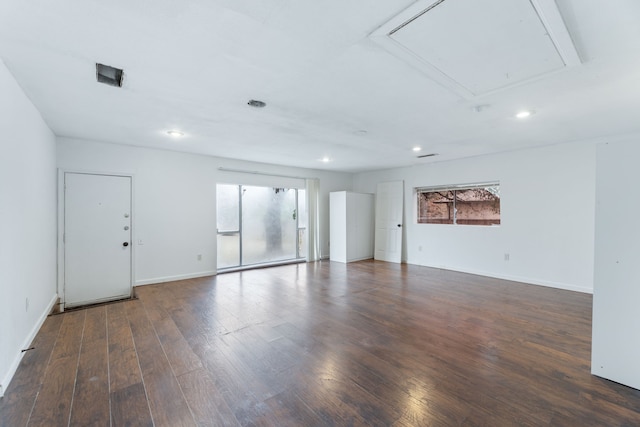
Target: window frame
column 422, row 219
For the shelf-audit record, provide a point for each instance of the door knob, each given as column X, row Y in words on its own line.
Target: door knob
column 125, row 244
column 399, row 225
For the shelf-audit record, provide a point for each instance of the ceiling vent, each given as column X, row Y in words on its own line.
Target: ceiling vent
column 256, row 103
column 109, row 75
column 479, row 47
column 422, row 156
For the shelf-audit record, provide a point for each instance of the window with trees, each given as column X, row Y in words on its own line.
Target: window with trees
column 467, row 204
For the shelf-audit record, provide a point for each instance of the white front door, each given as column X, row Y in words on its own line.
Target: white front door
column 97, row 238
column 389, row 213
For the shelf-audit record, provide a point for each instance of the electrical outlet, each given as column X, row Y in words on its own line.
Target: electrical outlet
column 420, row 248
column 506, row 257
column 26, row 304
column 199, row 257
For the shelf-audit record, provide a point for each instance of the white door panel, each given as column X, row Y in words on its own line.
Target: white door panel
column 389, row 215
column 97, row 224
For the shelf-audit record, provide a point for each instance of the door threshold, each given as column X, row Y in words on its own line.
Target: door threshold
column 58, row 310
column 261, row 265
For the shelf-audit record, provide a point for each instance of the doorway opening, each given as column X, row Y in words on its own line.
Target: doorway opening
column 260, row 226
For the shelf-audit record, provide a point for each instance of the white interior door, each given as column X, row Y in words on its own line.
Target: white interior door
column 389, row 213
column 615, row 347
column 97, row 238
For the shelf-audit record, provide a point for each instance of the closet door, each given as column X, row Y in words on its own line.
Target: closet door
column 389, row 213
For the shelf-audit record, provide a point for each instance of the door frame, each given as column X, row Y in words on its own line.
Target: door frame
column 61, row 225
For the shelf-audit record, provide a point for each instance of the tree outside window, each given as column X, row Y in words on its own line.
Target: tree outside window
column 473, row 204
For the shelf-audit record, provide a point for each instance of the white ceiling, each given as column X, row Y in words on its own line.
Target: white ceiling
column 331, row 89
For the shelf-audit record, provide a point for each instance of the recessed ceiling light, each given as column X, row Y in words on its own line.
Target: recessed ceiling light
column 256, row 103
column 416, row 149
column 175, row 133
column 325, row 159
column 361, row 132
column 524, row 114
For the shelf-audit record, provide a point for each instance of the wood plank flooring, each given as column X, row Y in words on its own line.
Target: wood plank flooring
column 322, row 344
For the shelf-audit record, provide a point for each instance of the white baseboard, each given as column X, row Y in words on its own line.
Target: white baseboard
column 520, row 279
column 174, row 278
column 549, row 284
column 27, row 341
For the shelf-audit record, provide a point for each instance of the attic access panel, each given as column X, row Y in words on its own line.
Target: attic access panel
column 476, row 47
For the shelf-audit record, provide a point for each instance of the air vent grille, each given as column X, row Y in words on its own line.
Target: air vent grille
column 256, row 103
column 109, row 75
column 422, row 156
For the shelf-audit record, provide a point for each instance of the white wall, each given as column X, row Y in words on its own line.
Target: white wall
column 174, row 201
column 547, row 216
column 615, row 350
column 27, row 223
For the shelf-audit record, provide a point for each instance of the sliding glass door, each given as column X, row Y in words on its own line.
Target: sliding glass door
column 259, row 225
column 228, row 213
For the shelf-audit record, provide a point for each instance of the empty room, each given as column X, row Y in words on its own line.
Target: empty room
column 297, row 213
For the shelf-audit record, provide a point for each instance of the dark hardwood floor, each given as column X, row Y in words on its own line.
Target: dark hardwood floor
column 321, row 344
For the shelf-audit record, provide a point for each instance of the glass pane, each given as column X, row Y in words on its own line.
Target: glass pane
column 228, row 250
column 435, row 207
column 478, row 206
column 302, row 242
column 227, row 207
column 268, row 224
column 302, row 208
